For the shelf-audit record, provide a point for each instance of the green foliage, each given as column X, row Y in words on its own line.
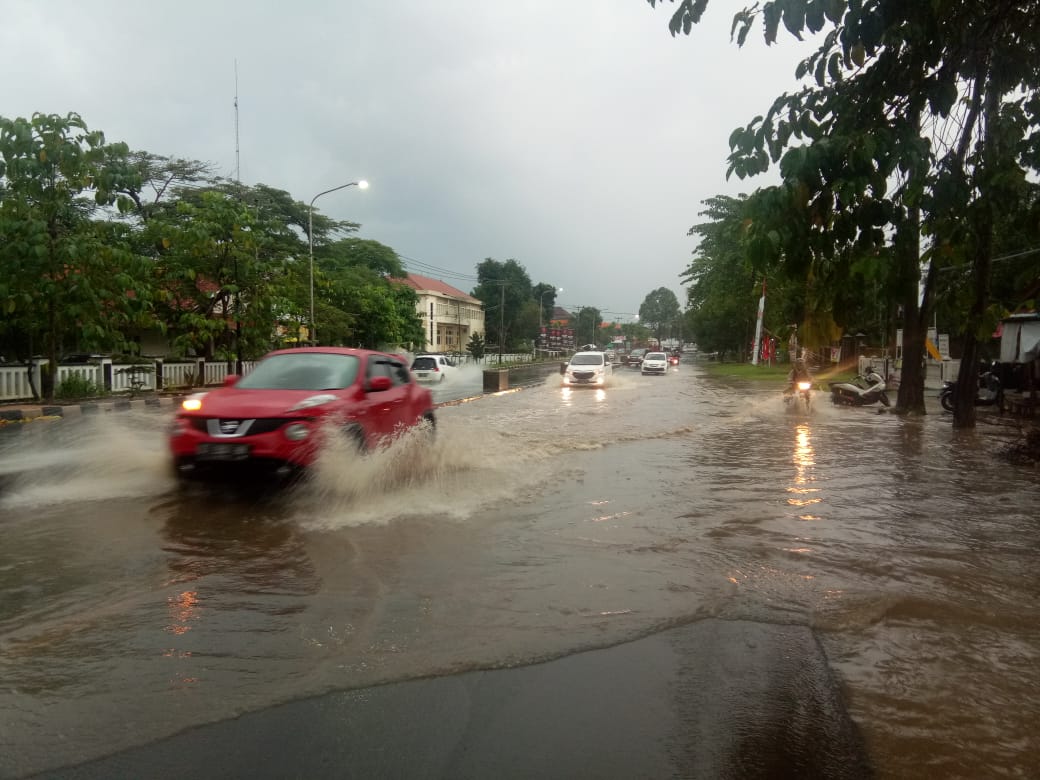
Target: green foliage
column 587, row 326
column 913, row 119
column 360, row 305
column 476, row 346
column 505, row 290
column 722, row 290
column 99, row 244
column 69, row 274
column 74, row 387
column 660, row 311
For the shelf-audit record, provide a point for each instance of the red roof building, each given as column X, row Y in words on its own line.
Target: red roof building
column 450, row 316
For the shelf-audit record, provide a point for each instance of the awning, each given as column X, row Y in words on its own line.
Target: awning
column 1020, row 341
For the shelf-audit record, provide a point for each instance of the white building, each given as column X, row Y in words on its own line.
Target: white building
column 450, row 317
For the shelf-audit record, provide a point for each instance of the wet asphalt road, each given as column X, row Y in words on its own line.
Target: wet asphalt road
column 669, row 577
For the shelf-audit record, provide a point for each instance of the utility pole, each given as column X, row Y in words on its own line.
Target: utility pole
column 501, row 319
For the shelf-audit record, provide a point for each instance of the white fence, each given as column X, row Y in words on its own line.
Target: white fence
column 109, row 377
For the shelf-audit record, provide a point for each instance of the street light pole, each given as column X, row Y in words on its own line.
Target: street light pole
column 361, row 185
column 541, row 306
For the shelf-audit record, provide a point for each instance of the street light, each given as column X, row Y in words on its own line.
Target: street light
column 541, row 307
column 361, row 185
column 541, row 302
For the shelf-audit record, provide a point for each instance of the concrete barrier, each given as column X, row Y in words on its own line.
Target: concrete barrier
column 499, row 379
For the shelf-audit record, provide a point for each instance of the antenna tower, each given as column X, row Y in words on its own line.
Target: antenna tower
column 238, row 161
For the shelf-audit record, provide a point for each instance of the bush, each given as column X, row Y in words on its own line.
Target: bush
column 75, row 387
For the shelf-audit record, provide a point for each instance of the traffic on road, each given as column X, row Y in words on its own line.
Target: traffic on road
column 836, row 551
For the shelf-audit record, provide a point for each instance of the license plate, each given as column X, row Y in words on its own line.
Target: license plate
column 210, row 451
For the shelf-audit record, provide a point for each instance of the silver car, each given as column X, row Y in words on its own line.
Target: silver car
column 654, row 363
column 588, row 368
column 432, row 368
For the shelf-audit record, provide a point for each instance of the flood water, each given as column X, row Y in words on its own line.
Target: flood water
column 540, row 523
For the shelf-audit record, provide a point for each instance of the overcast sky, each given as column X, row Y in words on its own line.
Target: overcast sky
column 574, row 136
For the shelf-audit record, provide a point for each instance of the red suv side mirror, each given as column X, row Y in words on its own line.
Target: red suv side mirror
column 231, row 380
column 379, row 383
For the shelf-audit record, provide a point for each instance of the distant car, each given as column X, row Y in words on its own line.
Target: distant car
column 432, row 368
column 588, row 368
column 654, row 363
column 276, row 418
column 635, row 358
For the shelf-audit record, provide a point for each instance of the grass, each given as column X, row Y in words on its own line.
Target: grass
column 777, row 373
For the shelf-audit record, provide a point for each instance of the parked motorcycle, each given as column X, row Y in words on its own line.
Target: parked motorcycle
column 989, row 392
column 865, row 389
column 799, row 395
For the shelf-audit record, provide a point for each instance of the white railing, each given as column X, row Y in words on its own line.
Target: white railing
column 14, row 382
column 86, row 372
column 136, row 378
column 109, row 377
column 180, row 375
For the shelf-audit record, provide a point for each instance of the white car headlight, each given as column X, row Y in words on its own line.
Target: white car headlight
column 193, row 402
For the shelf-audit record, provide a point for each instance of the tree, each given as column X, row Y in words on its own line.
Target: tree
column 359, row 304
column 919, row 120
column 505, row 291
column 219, row 295
column 722, row 291
column 63, row 272
column 587, row 325
column 475, row 347
column 660, row 311
column 545, row 295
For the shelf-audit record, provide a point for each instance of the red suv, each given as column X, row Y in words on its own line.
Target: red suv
column 275, row 417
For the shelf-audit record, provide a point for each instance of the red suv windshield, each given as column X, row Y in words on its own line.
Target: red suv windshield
column 302, row 371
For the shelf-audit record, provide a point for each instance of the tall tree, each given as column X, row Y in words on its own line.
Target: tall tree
column 67, row 278
column 505, row 290
column 918, row 119
column 660, row 311
column 722, row 291
column 587, row 326
column 360, row 306
column 219, row 294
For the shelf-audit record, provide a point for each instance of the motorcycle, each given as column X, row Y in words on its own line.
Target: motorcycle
column 988, row 393
column 798, row 394
column 864, row 390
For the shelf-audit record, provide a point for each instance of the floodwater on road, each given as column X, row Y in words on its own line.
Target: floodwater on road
column 539, row 523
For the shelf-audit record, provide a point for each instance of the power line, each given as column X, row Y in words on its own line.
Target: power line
column 422, row 265
column 1000, row 259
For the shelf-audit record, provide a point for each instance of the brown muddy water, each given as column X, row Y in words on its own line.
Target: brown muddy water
column 539, row 524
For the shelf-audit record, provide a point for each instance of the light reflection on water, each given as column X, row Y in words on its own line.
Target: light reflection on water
column 803, row 494
column 538, row 523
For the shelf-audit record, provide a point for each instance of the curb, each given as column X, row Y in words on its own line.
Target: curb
column 26, row 414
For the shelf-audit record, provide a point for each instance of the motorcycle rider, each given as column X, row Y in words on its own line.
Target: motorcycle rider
column 799, row 373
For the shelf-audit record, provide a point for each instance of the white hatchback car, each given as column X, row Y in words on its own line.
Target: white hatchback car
column 654, row 363
column 432, row 368
column 588, row 368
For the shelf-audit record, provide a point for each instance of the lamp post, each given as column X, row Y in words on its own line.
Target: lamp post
column 361, row 185
column 541, row 307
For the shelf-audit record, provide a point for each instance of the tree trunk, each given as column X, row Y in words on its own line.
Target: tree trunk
column 968, row 375
column 910, row 399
